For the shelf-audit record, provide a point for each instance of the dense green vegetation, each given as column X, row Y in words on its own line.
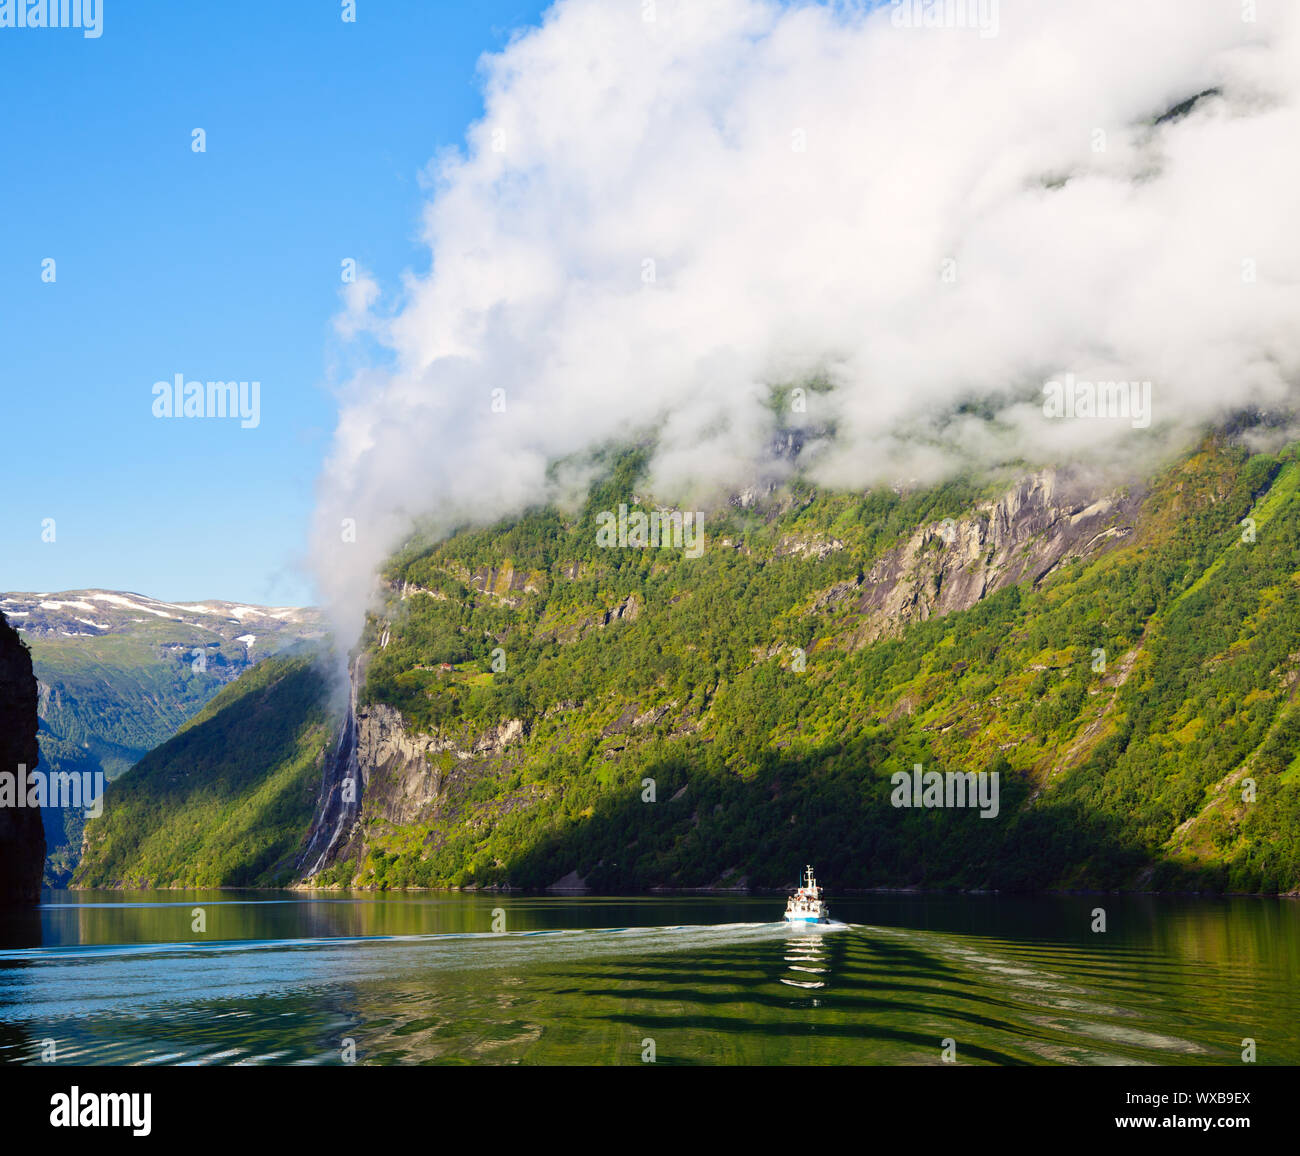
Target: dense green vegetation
column 680, row 721
column 227, row 800
column 111, row 700
column 708, row 615
column 108, row 699
column 759, row 765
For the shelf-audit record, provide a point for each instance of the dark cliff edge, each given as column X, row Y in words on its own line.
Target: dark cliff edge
column 22, row 835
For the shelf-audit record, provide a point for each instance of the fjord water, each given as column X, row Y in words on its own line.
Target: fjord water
column 288, row 978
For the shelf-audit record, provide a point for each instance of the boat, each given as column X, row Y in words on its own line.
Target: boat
column 807, row 905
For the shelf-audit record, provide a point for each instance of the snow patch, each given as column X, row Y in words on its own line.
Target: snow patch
column 118, row 600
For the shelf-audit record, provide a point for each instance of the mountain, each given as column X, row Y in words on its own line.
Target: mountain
column 119, row 673
column 225, row 801
column 1116, row 664
column 22, row 841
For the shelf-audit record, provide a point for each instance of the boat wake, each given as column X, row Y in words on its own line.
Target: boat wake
column 807, row 965
column 672, row 937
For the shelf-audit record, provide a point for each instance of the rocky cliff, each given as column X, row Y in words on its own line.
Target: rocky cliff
column 1040, row 523
column 405, row 778
column 417, row 787
column 22, row 837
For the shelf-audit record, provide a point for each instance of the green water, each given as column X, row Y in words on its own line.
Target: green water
column 279, row 978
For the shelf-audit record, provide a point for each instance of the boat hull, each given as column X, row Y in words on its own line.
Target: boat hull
column 806, row 918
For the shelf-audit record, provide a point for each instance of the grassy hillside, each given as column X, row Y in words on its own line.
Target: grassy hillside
column 105, row 703
column 626, row 665
column 227, row 800
column 538, row 707
column 121, row 673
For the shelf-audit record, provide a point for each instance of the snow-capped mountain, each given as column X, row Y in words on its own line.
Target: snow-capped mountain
column 93, row 613
column 119, row 672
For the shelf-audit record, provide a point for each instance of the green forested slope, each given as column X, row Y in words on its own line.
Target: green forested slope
column 1124, row 775
column 638, row 718
column 227, row 800
column 120, row 673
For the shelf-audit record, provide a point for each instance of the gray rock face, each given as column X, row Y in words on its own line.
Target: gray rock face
column 1042, row 522
column 403, row 777
column 22, row 835
column 400, row 779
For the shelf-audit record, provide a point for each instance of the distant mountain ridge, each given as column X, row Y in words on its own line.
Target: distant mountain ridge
column 120, row 672
column 95, row 612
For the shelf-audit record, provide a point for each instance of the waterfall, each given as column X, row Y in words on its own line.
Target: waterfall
column 335, row 813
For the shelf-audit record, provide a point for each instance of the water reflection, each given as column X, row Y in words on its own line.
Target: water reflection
column 424, row 978
column 805, row 955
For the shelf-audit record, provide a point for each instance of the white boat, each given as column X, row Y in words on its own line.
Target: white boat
column 806, row 905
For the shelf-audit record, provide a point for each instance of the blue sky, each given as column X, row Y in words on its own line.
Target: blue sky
column 220, row 265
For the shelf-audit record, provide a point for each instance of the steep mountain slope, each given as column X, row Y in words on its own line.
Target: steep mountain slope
column 22, row 842
column 1119, row 656
column 119, row 673
column 534, row 708
column 226, row 801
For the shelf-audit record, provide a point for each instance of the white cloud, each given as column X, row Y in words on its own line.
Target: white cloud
column 798, row 176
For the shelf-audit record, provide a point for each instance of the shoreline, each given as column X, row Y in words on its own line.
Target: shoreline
column 660, row 892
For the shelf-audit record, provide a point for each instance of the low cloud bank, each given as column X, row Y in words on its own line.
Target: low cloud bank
column 923, row 214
